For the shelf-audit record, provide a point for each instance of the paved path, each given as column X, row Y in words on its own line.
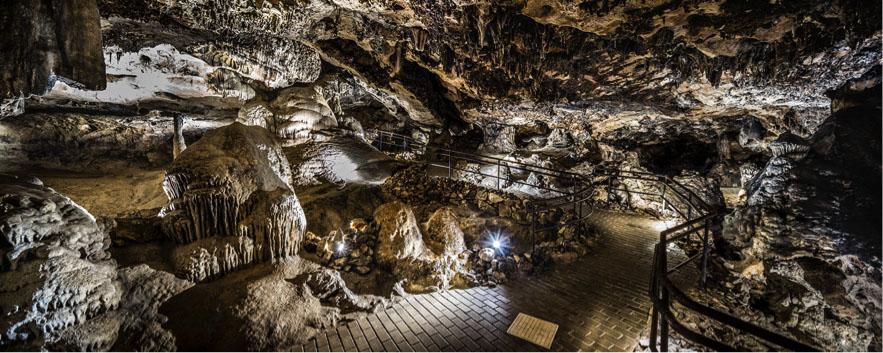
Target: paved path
column 600, row 303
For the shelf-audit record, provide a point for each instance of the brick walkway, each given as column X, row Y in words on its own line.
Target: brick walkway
column 600, row 303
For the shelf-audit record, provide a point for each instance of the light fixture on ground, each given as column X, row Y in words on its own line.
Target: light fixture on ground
column 497, row 240
column 340, row 247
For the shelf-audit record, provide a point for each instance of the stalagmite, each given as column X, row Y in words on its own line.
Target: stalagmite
column 178, row 139
column 230, row 202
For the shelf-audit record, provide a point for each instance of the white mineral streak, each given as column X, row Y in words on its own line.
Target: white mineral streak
column 153, row 73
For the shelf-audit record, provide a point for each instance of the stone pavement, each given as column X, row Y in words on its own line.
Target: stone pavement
column 600, row 303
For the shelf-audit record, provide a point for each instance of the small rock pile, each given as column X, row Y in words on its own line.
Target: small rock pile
column 491, row 267
column 350, row 250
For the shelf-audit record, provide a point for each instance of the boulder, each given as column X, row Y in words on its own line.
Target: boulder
column 399, row 237
column 401, row 249
column 145, row 290
column 486, row 254
column 443, row 234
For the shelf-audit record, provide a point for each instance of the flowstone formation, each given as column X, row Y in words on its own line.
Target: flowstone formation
column 58, row 282
column 61, row 290
column 230, row 203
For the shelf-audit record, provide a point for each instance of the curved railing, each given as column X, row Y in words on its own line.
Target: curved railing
column 577, row 192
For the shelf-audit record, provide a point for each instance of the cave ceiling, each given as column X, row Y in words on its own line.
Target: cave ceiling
column 440, row 64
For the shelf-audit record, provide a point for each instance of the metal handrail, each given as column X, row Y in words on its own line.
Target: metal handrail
column 663, row 292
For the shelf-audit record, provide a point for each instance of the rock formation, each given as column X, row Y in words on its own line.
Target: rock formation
column 49, row 41
column 230, row 203
column 59, row 283
column 792, row 257
column 767, row 110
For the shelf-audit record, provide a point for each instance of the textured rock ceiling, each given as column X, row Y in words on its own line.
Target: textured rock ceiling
column 455, row 61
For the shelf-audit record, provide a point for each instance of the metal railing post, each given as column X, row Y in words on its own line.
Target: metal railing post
column 662, row 194
column 450, row 170
column 533, row 223
column 662, row 278
column 498, row 175
column 579, row 215
column 610, row 188
column 702, row 280
column 654, row 297
column 663, row 329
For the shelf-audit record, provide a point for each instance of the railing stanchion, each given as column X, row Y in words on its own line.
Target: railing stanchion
column 498, row 175
column 579, row 215
column 533, row 225
column 654, row 322
column 662, row 278
column 610, row 188
column 654, row 298
column 663, row 329
column 702, row 280
column 662, row 194
column 450, row 169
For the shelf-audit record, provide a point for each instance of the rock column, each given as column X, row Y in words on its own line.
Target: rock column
column 178, row 144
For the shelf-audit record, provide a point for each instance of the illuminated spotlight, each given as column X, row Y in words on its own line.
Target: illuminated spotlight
column 340, row 247
column 498, row 240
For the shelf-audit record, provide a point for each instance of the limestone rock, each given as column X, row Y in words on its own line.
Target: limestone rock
column 443, row 234
column 146, row 290
column 799, row 262
column 486, row 254
column 340, row 159
column 399, row 237
column 47, row 41
column 233, row 183
column 57, row 281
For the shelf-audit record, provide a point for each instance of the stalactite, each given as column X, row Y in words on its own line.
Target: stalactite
column 397, row 66
column 419, row 37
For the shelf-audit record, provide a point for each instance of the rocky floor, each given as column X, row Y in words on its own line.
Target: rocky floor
column 600, row 303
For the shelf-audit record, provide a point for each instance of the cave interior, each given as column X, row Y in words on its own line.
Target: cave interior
column 446, row 175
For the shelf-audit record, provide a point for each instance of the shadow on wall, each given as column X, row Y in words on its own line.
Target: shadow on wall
column 677, row 155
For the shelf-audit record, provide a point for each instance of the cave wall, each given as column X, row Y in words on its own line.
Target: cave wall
column 48, row 40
